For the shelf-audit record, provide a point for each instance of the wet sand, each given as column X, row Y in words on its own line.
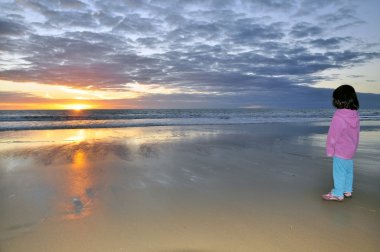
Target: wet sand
column 184, row 189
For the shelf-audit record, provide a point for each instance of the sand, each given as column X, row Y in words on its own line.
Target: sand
column 184, row 189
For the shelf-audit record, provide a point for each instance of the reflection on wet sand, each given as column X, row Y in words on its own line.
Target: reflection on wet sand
column 78, row 187
column 41, row 138
column 79, row 136
column 64, row 171
column 230, row 188
column 80, row 180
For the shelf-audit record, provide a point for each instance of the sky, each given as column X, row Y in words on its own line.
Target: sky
column 104, row 54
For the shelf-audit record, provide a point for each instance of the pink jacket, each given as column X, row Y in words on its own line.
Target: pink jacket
column 343, row 137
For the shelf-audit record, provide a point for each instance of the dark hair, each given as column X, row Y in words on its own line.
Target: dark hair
column 344, row 97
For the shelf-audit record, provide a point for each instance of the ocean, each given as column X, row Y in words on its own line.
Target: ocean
column 71, row 119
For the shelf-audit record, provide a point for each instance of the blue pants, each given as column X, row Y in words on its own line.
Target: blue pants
column 343, row 175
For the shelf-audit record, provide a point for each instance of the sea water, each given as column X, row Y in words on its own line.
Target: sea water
column 72, row 119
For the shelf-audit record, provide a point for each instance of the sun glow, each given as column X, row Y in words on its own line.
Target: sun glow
column 45, row 96
column 77, row 106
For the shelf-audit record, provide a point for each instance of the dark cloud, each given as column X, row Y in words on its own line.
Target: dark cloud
column 305, row 29
column 10, row 28
column 350, row 58
column 72, row 4
column 339, row 16
column 330, row 43
column 232, row 51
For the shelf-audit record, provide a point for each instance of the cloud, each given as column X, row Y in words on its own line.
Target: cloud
column 222, row 50
column 305, row 29
column 329, row 43
column 17, row 96
column 72, row 4
column 9, row 28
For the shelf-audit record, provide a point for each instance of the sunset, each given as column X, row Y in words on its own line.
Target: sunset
column 186, row 54
column 189, row 125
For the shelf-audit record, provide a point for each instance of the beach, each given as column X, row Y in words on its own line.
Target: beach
column 194, row 188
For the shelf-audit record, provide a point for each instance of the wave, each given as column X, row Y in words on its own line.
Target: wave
column 66, row 119
column 69, row 115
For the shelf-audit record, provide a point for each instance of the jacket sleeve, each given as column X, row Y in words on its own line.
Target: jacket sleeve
column 335, row 130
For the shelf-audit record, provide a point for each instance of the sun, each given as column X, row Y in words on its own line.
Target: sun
column 77, row 107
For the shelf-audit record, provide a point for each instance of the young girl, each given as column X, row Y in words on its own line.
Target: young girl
column 342, row 141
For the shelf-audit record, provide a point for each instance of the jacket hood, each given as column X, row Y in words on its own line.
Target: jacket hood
column 350, row 116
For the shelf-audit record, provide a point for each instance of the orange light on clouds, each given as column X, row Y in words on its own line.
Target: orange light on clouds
column 32, row 95
column 67, row 105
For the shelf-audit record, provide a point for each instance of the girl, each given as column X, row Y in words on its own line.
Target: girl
column 342, row 141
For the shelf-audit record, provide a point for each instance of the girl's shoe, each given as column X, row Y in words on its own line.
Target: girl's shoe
column 330, row 197
column 347, row 195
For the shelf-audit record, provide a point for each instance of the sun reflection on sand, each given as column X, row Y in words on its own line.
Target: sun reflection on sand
column 78, row 187
column 133, row 135
column 80, row 135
